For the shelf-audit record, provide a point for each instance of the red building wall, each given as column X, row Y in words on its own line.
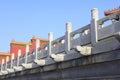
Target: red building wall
column 33, row 42
column 1, row 59
column 15, row 46
column 3, row 56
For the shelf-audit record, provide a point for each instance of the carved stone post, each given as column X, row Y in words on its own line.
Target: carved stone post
column 7, row 59
column 50, row 37
column 12, row 58
column 67, row 37
column 3, row 61
column 26, row 53
column 94, row 28
column 36, row 49
column 26, row 64
column 18, row 58
column 18, row 67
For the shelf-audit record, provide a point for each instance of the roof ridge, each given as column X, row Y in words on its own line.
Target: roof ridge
column 108, row 12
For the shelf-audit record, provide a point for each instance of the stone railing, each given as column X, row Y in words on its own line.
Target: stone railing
column 74, row 44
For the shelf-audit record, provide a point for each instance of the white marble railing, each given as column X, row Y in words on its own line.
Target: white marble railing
column 63, row 48
column 58, row 45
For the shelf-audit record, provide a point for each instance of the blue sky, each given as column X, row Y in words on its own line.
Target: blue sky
column 21, row 19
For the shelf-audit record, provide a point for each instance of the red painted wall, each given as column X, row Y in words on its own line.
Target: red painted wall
column 15, row 47
column 1, row 59
column 33, row 42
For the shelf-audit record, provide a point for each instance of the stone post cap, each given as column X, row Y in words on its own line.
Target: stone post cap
column 68, row 26
column 50, row 36
column 19, row 52
column 3, row 61
column 12, row 56
column 27, row 48
column 7, row 58
column 94, row 13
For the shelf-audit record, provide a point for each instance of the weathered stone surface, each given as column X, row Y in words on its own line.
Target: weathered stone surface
column 105, row 45
column 103, row 66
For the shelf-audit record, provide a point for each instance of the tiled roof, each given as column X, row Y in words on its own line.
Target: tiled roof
column 22, row 43
column 42, row 39
column 4, row 54
column 108, row 12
